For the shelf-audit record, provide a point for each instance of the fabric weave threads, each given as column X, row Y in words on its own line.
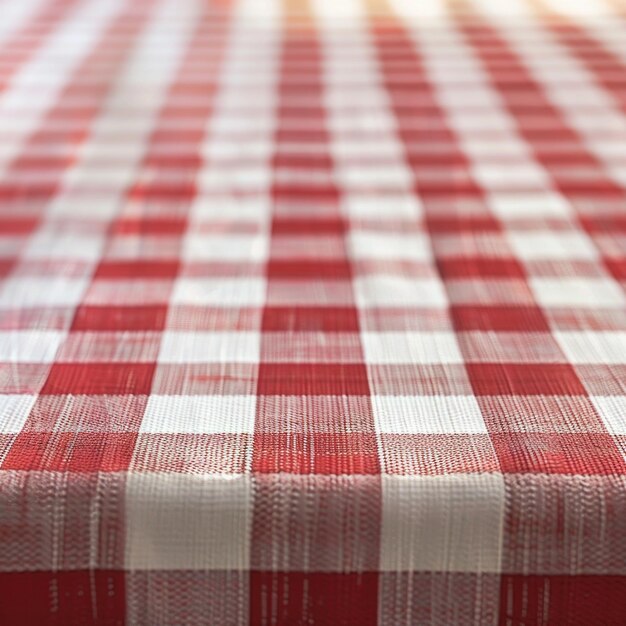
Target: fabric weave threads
column 312, row 313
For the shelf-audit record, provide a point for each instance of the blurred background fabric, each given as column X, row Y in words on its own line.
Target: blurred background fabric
column 312, row 313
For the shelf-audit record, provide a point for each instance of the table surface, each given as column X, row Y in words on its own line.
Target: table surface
column 312, row 313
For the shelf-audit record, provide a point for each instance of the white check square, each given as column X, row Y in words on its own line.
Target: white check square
column 54, row 291
column 447, row 523
column 399, row 292
column 589, row 346
column 188, row 521
column 526, row 175
column 612, row 410
column 199, row 247
column 360, row 176
column 75, row 246
column 199, row 414
column 397, row 347
column 509, row 205
column 427, row 414
column 220, row 292
column 369, row 245
column 14, row 411
column 29, row 346
column 388, row 205
column 553, row 246
column 210, row 347
column 578, row 292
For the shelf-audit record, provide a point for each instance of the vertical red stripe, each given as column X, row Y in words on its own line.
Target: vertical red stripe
column 297, row 590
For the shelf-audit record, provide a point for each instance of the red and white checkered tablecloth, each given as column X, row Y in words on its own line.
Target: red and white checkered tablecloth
column 312, row 312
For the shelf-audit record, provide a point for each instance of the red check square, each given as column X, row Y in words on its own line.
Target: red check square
column 99, row 378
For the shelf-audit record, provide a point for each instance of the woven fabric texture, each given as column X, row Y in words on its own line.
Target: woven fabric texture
column 312, row 313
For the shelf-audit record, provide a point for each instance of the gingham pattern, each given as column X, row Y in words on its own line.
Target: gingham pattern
column 312, row 313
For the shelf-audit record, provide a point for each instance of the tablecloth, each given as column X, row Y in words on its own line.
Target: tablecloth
column 312, row 313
